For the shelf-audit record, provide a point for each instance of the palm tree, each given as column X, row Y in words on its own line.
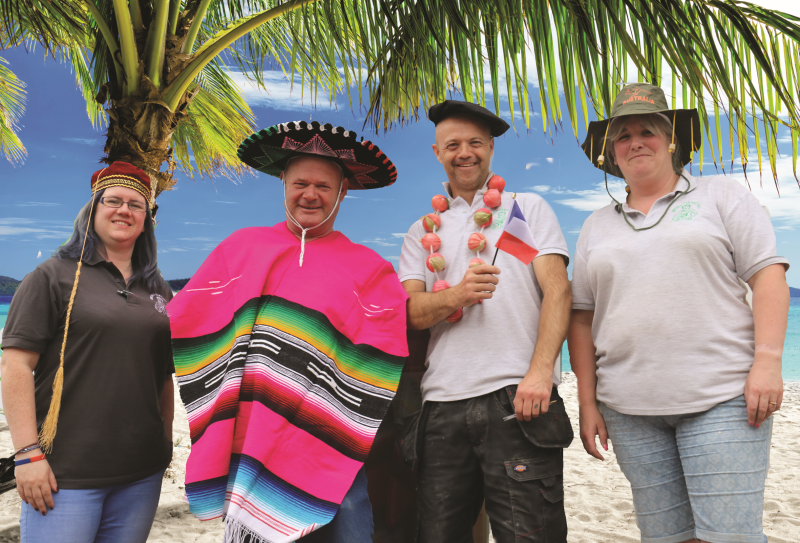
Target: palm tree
column 157, row 70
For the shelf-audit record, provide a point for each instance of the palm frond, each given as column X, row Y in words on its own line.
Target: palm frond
column 218, row 119
column 12, row 107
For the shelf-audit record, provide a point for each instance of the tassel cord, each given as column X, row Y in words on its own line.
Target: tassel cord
column 50, row 425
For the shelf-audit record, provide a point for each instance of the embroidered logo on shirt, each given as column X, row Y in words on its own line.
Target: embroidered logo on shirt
column 499, row 219
column 520, row 468
column 161, row 303
column 686, row 211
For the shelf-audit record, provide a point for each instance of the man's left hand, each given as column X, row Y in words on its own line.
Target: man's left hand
column 533, row 394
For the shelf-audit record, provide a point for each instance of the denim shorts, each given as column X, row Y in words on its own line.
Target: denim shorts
column 696, row 475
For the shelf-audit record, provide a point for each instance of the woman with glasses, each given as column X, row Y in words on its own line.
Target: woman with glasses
column 86, row 374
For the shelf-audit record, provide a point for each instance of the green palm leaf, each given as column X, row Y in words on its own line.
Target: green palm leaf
column 401, row 56
column 12, row 107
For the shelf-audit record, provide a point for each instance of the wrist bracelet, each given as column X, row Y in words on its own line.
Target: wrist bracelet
column 24, row 461
column 27, row 448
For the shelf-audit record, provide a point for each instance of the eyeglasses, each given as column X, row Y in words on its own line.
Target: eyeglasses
column 134, row 206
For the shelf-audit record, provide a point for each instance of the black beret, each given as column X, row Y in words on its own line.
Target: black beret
column 457, row 108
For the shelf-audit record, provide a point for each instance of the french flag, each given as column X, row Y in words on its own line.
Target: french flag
column 517, row 238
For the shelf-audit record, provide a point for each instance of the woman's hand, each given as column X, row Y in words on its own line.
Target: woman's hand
column 763, row 390
column 592, row 424
column 36, row 483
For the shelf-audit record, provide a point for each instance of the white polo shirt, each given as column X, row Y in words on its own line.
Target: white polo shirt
column 672, row 330
column 492, row 345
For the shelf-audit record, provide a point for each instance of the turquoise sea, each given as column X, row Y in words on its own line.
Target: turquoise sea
column 791, row 349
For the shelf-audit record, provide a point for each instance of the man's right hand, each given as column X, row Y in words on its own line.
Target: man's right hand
column 478, row 284
column 36, row 483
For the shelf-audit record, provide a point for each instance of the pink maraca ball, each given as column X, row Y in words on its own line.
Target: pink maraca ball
column 456, row 315
column 435, row 262
column 492, row 198
column 431, row 242
column 440, row 285
column 431, row 221
column 497, row 183
column 476, row 242
column 482, row 217
column 476, row 262
column 440, row 203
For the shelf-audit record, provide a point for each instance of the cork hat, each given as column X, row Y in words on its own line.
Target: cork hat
column 643, row 99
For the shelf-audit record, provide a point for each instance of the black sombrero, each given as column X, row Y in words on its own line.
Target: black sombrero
column 643, row 99
column 364, row 163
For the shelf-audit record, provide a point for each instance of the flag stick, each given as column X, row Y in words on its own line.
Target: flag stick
column 495, row 256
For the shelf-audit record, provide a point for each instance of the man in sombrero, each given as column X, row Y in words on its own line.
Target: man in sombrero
column 492, row 425
column 289, row 342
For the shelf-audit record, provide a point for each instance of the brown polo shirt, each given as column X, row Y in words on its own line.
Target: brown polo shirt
column 118, row 355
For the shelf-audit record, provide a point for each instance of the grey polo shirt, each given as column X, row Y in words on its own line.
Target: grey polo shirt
column 117, row 358
column 672, row 330
column 492, row 345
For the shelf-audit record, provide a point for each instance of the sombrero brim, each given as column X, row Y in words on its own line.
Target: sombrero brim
column 688, row 133
column 269, row 150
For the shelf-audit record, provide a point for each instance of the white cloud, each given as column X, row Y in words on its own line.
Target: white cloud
column 82, row 141
column 200, row 223
column 540, row 188
column 200, row 239
column 399, row 235
column 36, row 229
column 530, row 165
column 594, row 199
column 549, row 160
column 353, row 197
column 279, row 93
column 393, row 258
column 383, row 242
column 783, row 209
column 36, row 204
column 38, row 255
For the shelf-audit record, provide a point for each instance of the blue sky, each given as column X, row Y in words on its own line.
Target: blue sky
column 41, row 197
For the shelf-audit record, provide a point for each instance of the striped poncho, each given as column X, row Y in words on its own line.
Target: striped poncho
column 286, row 373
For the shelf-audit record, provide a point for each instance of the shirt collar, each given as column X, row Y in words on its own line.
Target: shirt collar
column 686, row 183
column 482, row 190
column 95, row 259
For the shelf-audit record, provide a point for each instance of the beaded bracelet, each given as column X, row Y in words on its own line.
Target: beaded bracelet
column 24, row 461
column 27, row 448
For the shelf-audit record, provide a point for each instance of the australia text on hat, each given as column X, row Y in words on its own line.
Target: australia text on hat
column 635, row 96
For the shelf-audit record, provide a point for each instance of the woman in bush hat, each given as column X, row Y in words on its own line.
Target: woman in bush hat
column 673, row 366
column 86, row 368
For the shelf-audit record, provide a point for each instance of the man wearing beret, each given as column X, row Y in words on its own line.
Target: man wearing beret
column 493, row 426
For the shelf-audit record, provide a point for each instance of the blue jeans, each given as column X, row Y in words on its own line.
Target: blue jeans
column 695, row 475
column 114, row 514
column 353, row 522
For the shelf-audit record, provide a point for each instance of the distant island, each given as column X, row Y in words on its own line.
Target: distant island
column 8, row 285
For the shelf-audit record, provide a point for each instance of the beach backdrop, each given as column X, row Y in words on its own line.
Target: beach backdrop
column 791, row 348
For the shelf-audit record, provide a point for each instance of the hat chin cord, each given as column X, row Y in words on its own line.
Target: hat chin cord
column 304, row 230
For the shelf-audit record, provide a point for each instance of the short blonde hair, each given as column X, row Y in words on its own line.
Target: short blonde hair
column 655, row 123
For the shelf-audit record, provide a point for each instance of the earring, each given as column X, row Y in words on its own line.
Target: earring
column 627, row 188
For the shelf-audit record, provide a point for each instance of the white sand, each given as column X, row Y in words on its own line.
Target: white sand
column 597, row 495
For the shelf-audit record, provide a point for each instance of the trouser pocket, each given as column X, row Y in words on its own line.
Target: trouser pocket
column 411, row 435
column 550, row 430
column 536, row 489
